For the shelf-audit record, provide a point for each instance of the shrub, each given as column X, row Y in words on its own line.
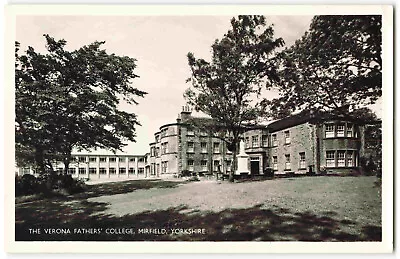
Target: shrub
column 26, row 185
column 186, row 173
column 48, row 184
column 67, row 184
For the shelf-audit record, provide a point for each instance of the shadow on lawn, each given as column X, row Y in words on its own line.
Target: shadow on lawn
column 126, row 187
column 103, row 189
column 250, row 224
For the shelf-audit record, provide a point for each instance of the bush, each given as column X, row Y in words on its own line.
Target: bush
column 47, row 184
column 193, row 179
column 66, row 184
column 269, row 172
column 26, row 185
column 186, row 173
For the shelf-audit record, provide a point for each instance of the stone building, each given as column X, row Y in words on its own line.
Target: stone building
column 299, row 144
column 307, row 143
column 178, row 147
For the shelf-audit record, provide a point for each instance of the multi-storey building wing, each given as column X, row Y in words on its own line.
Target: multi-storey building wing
column 299, row 144
column 304, row 143
column 100, row 166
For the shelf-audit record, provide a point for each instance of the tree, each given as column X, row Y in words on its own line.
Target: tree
column 371, row 162
column 336, row 66
column 227, row 87
column 69, row 100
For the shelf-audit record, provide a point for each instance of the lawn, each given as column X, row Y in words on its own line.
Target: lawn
column 286, row 209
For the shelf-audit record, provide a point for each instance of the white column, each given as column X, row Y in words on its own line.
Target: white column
column 242, row 158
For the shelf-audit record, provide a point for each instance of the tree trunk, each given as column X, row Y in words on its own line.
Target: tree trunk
column 234, row 155
column 39, row 159
column 67, row 161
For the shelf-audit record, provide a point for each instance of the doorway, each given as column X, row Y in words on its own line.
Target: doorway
column 254, row 165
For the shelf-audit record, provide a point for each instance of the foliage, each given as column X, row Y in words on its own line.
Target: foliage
column 69, row 99
column 336, row 66
column 25, row 185
column 371, row 162
column 226, row 87
column 48, row 185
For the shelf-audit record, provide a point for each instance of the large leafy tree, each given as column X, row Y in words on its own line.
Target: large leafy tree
column 226, row 88
column 69, row 100
column 336, row 66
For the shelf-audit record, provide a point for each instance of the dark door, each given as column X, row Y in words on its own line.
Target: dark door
column 254, row 167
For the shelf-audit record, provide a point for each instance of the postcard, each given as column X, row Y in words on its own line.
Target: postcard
column 199, row 129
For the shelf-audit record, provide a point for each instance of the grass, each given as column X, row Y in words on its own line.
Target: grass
column 288, row 209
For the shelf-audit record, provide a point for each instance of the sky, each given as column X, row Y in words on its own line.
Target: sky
column 160, row 45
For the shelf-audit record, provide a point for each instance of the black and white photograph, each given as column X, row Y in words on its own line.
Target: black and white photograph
column 251, row 126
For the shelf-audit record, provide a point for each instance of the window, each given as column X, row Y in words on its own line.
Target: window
column 330, row 158
column 122, row 170
column 190, row 147
column 141, row 160
column 264, row 140
column 131, row 170
column 349, row 133
column 132, row 159
column 340, row 130
column 274, row 140
column 92, row 159
column 82, row 159
column 112, row 170
column 287, row 162
column 203, row 146
column 247, row 142
column 164, row 147
column 152, row 152
column 228, row 163
column 190, row 164
column 82, row 170
column 92, row 170
column 102, row 159
column 141, row 170
column 254, row 141
column 350, row 160
column 341, row 158
column 203, row 163
column 275, row 162
column 164, row 166
column 216, row 147
column 71, row 170
column 302, row 160
column 157, row 139
column 287, row 137
column 215, row 165
column 122, row 159
column 329, row 131
column 157, row 151
column 102, row 170
column 112, row 159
